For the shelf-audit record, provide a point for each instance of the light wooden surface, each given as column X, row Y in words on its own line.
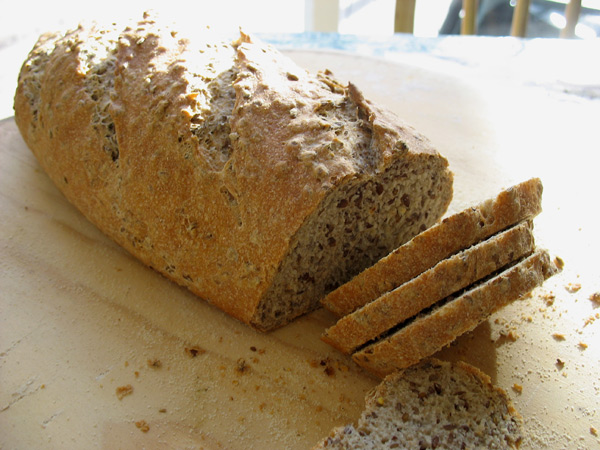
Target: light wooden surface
column 80, row 318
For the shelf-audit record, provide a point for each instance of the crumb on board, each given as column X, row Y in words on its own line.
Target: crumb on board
column 194, row 351
column 162, row 410
column 510, row 335
column 582, row 345
column 593, row 431
column 549, row 298
column 573, row 287
column 241, row 366
column 560, row 363
column 142, row 425
column 559, row 262
column 595, row 298
column 558, row 336
column 154, row 363
column 591, row 319
column 517, row 388
column 124, row 391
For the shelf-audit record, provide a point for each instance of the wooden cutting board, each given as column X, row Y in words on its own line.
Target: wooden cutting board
column 97, row 351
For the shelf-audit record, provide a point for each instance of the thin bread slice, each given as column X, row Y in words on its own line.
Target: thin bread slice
column 433, row 330
column 435, row 404
column 445, row 278
column 453, row 234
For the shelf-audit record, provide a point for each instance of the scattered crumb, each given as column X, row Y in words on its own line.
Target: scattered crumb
column 582, row 345
column 591, row 319
column 242, row 366
column 573, row 287
column 137, row 374
column 558, row 336
column 560, row 363
column 517, row 388
column 43, row 386
column 123, row 391
column 154, row 363
column 142, row 425
column 194, row 351
column 595, row 298
column 549, row 298
column 330, row 371
column 559, row 262
column 162, row 410
column 511, row 336
column 380, row 401
column 593, row 431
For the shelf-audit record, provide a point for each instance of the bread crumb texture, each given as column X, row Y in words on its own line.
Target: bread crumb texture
column 143, row 426
column 434, row 405
column 124, row 391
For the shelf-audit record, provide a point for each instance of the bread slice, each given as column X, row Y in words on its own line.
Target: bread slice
column 445, row 278
column 434, row 404
column 434, row 329
column 453, row 234
column 225, row 166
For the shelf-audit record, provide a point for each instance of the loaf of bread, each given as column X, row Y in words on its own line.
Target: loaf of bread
column 223, row 165
column 434, row 404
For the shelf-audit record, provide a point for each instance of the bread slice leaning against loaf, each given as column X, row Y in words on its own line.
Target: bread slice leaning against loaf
column 445, row 278
column 435, row 404
column 225, row 166
column 453, row 234
column 437, row 327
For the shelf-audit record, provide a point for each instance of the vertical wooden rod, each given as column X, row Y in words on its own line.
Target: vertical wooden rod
column 468, row 24
column 520, row 18
column 404, row 18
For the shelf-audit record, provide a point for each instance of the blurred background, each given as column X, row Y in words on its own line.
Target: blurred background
column 21, row 22
column 372, row 17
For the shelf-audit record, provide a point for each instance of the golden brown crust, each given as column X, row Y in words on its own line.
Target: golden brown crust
column 135, row 164
column 444, row 279
column 432, row 331
column 451, row 235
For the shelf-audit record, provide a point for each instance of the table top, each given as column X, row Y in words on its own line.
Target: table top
column 97, row 351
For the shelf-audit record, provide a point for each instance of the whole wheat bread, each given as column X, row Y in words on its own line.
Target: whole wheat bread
column 434, row 404
column 434, row 329
column 451, row 235
column 445, row 278
column 223, row 165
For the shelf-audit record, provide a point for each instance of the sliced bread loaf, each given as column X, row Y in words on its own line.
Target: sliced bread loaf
column 445, row 278
column 433, row 329
column 434, row 404
column 451, row 235
column 225, row 166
